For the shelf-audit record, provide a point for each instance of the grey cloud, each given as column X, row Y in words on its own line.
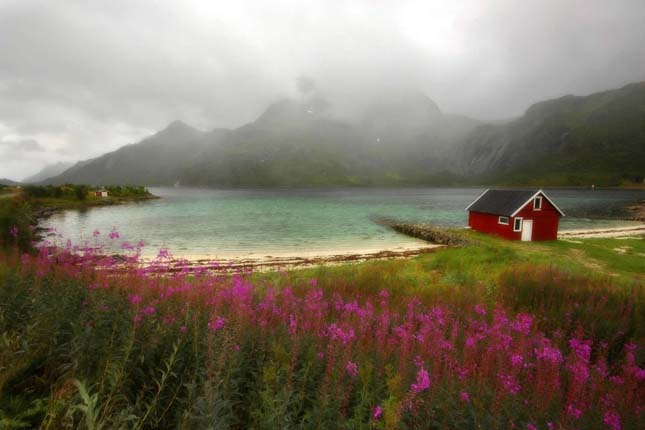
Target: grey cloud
column 83, row 77
column 25, row 145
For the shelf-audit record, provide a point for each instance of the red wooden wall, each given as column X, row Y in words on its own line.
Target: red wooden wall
column 545, row 222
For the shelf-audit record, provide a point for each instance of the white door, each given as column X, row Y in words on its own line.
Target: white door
column 527, row 230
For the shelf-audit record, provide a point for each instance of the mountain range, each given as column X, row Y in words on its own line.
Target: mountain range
column 405, row 140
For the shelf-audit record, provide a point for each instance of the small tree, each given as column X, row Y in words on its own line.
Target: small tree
column 81, row 192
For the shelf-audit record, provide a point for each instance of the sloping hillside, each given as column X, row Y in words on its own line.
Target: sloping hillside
column 572, row 140
column 48, row 172
column 157, row 160
column 291, row 144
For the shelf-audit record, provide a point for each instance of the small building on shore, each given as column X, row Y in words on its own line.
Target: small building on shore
column 527, row 215
column 101, row 193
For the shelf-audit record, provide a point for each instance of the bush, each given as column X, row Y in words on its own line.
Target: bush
column 16, row 220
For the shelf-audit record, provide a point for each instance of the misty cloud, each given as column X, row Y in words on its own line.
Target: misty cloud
column 27, row 145
column 80, row 78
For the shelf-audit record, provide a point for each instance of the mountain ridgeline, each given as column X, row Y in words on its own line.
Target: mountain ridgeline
column 407, row 141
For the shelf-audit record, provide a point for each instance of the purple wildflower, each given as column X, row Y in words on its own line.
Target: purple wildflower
column 217, row 324
column 612, row 420
column 423, row 381
column 352, row 369
column 464, row 397
column 378, row 412
column 135, row 298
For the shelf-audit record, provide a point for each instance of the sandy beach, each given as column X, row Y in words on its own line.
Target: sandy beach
column 603, row 232
column 272, row 260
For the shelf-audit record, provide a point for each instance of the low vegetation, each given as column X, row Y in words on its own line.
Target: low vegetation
column 20, row 207
column 493, row 335
column 78, row 196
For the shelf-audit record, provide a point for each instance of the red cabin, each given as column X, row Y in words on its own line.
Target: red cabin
column 515, row 215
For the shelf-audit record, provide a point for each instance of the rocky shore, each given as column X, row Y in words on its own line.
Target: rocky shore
column 429, row 233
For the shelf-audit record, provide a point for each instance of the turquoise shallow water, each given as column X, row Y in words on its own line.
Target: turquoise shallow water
column 264, row 222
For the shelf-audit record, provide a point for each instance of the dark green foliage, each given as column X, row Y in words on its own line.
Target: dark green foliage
column 16, row 221
column 80, row 191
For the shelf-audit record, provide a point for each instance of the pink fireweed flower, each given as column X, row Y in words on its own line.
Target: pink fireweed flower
column 183, row 329
column 236, row 347
column 114, row 234
column 516, row 360
column 163, row 253
column 464, row 397
column 582, row 348
column 13, row 231
column 149, row 310
column 378, row 412
column 293, row 324
column 530, row 426
column 135, row 299
column 509, row 383
column 352, row 369
column 522, row 323
column 96, row 233
column 422, row 383
column 549, row 353
column 470, row 342
column 574, row 411
column 337, row 333
column 217, row 324
column 313, row 282
column 612, row 420
column 481, row 310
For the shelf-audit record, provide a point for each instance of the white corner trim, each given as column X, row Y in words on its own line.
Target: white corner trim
column 475, row 201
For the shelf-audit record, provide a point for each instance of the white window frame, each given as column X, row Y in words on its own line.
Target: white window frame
column 535, row 205
column 515, row 220
column 499, row 220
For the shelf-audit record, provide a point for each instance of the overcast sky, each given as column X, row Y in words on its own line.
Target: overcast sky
column 80, row 78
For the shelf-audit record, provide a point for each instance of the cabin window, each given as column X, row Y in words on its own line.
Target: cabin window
column 517, row 224
column 537, row 203
column 503, row 220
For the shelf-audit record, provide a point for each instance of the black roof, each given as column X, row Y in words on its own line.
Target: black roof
column 501, row 202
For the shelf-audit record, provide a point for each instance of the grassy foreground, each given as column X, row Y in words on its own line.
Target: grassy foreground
column 495, row 335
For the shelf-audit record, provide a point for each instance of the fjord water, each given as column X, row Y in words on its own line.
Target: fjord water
column 228, row 223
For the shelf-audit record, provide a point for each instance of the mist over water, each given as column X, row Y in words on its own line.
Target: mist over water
column 257, row 223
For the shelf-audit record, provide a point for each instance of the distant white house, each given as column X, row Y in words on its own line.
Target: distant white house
column 101, row 193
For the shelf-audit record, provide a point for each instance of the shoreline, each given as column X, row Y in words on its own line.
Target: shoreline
column 610, row 232
column 273, row 260
column 306, row 259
